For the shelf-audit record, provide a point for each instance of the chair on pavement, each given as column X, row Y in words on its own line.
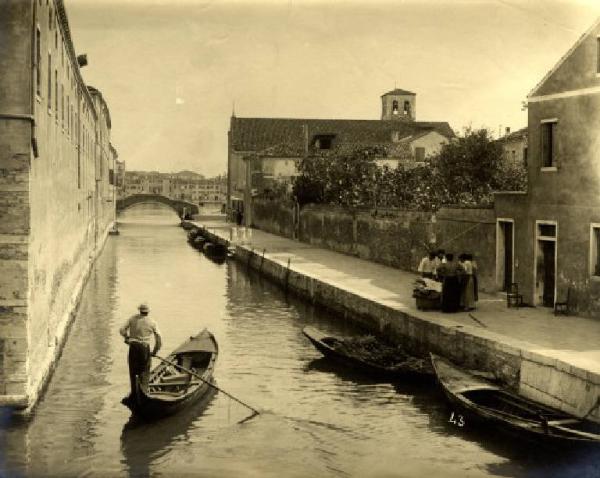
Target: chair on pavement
column 513, row 298
column 563, row 307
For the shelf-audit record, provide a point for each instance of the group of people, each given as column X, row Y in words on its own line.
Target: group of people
column 458, row 278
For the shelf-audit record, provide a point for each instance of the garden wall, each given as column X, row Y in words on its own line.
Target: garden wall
column 396, row 238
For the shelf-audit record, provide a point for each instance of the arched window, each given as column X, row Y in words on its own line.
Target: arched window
column 407, row 107
column 395, row 107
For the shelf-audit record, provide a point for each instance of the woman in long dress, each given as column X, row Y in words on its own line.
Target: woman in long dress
column 451, row 273
column 467, row 300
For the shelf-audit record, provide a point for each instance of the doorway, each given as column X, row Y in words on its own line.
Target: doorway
column 505, row 243
column 545, row 264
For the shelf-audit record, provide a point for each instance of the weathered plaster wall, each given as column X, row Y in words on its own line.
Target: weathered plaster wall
column 568, row 194
column 399, row 241
column 236, row 174
column 432, row 142
column 577, row 71
column 472, row 231
column 274, row 216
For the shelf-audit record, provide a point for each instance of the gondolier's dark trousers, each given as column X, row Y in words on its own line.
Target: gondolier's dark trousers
column 139, row 363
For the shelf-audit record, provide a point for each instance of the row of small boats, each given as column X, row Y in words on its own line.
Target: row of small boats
column 477, row 397
column 213, row 250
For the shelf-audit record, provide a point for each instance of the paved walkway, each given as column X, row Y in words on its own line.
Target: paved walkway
column 575, row 340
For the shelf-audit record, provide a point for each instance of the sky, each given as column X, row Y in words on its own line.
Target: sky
column 172, row 71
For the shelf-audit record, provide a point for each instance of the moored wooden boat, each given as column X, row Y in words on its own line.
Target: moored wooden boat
column 169, row 389
column 332, row 347
column 483, row 401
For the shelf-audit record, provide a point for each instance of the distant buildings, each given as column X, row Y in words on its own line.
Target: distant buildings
column 184, row 185
column 549, row 238
column 264, row 152
column 515, row 147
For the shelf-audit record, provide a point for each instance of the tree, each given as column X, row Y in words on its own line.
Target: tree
column 345, row 177
column 466, row 171
column 469, row 166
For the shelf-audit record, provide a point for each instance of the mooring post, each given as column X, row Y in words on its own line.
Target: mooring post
column 287, row 274
column 262, row 260
column 249, row 258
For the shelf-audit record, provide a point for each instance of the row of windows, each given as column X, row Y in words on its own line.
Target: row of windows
column 406, row 108
column 547, row 231
column 57, row 96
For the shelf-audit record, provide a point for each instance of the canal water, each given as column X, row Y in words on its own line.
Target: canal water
column 317, row 420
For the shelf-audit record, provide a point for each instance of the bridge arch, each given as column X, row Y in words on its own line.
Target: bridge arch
column 183, row 209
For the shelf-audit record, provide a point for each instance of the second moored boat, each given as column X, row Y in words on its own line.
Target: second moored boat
column 483, row 401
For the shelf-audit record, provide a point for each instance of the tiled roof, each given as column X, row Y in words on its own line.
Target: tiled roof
column 398, row 91
column 516, row 135
column 260, row 134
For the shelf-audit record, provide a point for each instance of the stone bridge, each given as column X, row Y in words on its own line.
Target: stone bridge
column 183, row 209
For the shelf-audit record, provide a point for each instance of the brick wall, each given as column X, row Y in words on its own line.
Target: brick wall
column 15, row 134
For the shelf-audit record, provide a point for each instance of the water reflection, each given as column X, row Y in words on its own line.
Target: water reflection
column 143, row 443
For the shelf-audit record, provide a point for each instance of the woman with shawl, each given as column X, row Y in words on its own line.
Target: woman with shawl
column 450, row 273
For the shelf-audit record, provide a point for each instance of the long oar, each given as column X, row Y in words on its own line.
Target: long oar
column 256, row 412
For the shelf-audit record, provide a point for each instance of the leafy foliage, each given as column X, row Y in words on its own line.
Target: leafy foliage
column 347, row 179
column 465, row 172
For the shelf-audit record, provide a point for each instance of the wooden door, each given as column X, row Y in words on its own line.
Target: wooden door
column 548, row 251
column 507, row 229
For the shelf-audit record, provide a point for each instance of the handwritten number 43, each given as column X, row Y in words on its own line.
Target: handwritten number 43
column 457, row 419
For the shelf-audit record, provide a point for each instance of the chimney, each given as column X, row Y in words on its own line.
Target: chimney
column 82, row 60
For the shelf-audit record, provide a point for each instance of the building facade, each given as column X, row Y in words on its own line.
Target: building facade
column 549, row 238
column 515, row 147
column 56, row 200
column 120, row 177
column 262, row 151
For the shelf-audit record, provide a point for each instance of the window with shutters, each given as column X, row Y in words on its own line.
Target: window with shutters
column 62, row 105
column 38, row 62
column 595, row 250
column 419, row 154
column 323, row 141
column 549, row 143
column 598, row 55
column 56, row 94
column 49, row 82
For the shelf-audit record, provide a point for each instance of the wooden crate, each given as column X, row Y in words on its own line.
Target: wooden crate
column 424, row 303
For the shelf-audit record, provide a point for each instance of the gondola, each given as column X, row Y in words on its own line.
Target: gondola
column 169, row 389
column 332, row 347
column 486, row 403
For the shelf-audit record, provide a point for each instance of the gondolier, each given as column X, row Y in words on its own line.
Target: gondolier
column 138, row 332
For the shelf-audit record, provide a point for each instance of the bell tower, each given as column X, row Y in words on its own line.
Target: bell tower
column 399, row 105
